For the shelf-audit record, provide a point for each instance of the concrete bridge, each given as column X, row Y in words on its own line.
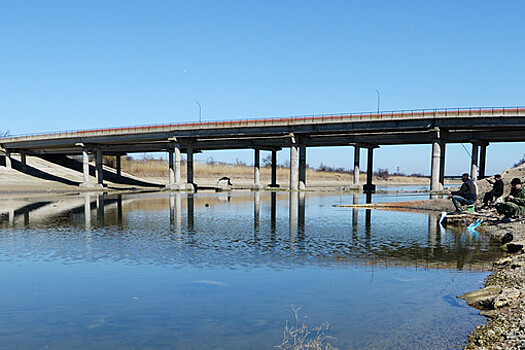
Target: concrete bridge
column 478, row 126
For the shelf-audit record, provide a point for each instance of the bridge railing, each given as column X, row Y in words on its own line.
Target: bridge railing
column 283, row 121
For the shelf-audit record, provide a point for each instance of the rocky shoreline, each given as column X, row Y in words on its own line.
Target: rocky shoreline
column 502, row 301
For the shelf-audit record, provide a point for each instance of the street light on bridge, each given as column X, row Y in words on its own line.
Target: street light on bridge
column 378, row 100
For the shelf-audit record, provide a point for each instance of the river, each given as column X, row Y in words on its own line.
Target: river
column 227, row 271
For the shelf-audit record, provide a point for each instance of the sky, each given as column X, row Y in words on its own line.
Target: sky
column 70, row 65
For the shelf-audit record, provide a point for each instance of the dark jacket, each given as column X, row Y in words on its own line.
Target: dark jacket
column 497, row 187
column 468, row 190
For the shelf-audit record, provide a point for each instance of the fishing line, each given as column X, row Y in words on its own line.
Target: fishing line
column 465, row 148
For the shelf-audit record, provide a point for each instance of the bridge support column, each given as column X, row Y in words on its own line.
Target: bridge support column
column 369, row 187
column 86, row 180
column 442, row 164
column 118, row 165
column 189, row 166
column 294, row 175
column 435, row 166
column 174, row 159
column 482, row 160
column 23, row 160
column 99, row 169
column 256, row 170
column 274, row 169
column 357, row 151
column 302, row 167
column 474, row 163
column 8, row 163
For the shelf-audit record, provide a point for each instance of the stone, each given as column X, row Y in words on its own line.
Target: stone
column 503, row 261
column 506, row 296
column 513, row 247
column 482, row 299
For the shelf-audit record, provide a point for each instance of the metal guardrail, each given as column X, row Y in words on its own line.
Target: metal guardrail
column 284, row 121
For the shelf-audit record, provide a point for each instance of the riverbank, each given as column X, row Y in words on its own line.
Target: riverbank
column 504, row 305
column 44, row 176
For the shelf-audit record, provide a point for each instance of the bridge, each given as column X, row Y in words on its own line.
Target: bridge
column 477, row 126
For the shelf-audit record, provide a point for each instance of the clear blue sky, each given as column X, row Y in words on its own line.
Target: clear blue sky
column 69, row 65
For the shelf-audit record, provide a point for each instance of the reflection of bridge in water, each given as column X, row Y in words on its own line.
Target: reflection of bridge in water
column 361, row 244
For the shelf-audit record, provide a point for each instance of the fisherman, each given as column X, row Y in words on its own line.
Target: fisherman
column 467, row 194
column 495, row 192
column 514, row 205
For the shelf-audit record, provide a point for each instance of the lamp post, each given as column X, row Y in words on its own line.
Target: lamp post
column 378, row 100
column 200, row 110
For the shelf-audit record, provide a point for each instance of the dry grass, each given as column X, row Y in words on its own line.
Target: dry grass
column 298, row 336
column 158, row 169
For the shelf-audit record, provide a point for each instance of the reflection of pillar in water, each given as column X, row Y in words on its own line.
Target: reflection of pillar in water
column 11, row 216
column 302, row 207
column 119, row 209
column 355, row 216
column 87, row 211
column 273, row 212
column 175, row 212
column 256, row 211
column 433, row 232
column 171, row 201
column 368, row 223
column 294, row 199
column 190, row 205
column 368, row 197
column 100, row 209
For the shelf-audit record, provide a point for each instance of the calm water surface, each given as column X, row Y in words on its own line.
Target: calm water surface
column 222, row 271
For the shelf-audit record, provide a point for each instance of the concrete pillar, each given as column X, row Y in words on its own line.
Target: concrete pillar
column 85, row 167
column 11, row 214
column 189, row 164
column 176, row 152
column 118, row 164
column 99, row 169
column 100, row 210
column 302, row 167
column 274, row 169
column 8, row 163
column 369, row 187
column 357, row 151
column 474, row 164
column 482, row 160
column 23, row 160
column 434, row 169
column 171, row 180
column 442, row 164
column 294, row 174
column 256, row 169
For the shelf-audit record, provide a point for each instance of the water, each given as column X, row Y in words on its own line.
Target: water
column 222, row 271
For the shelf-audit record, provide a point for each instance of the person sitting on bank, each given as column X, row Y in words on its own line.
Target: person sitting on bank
column 514, row 205
column 495, row 192
column 467, row 194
